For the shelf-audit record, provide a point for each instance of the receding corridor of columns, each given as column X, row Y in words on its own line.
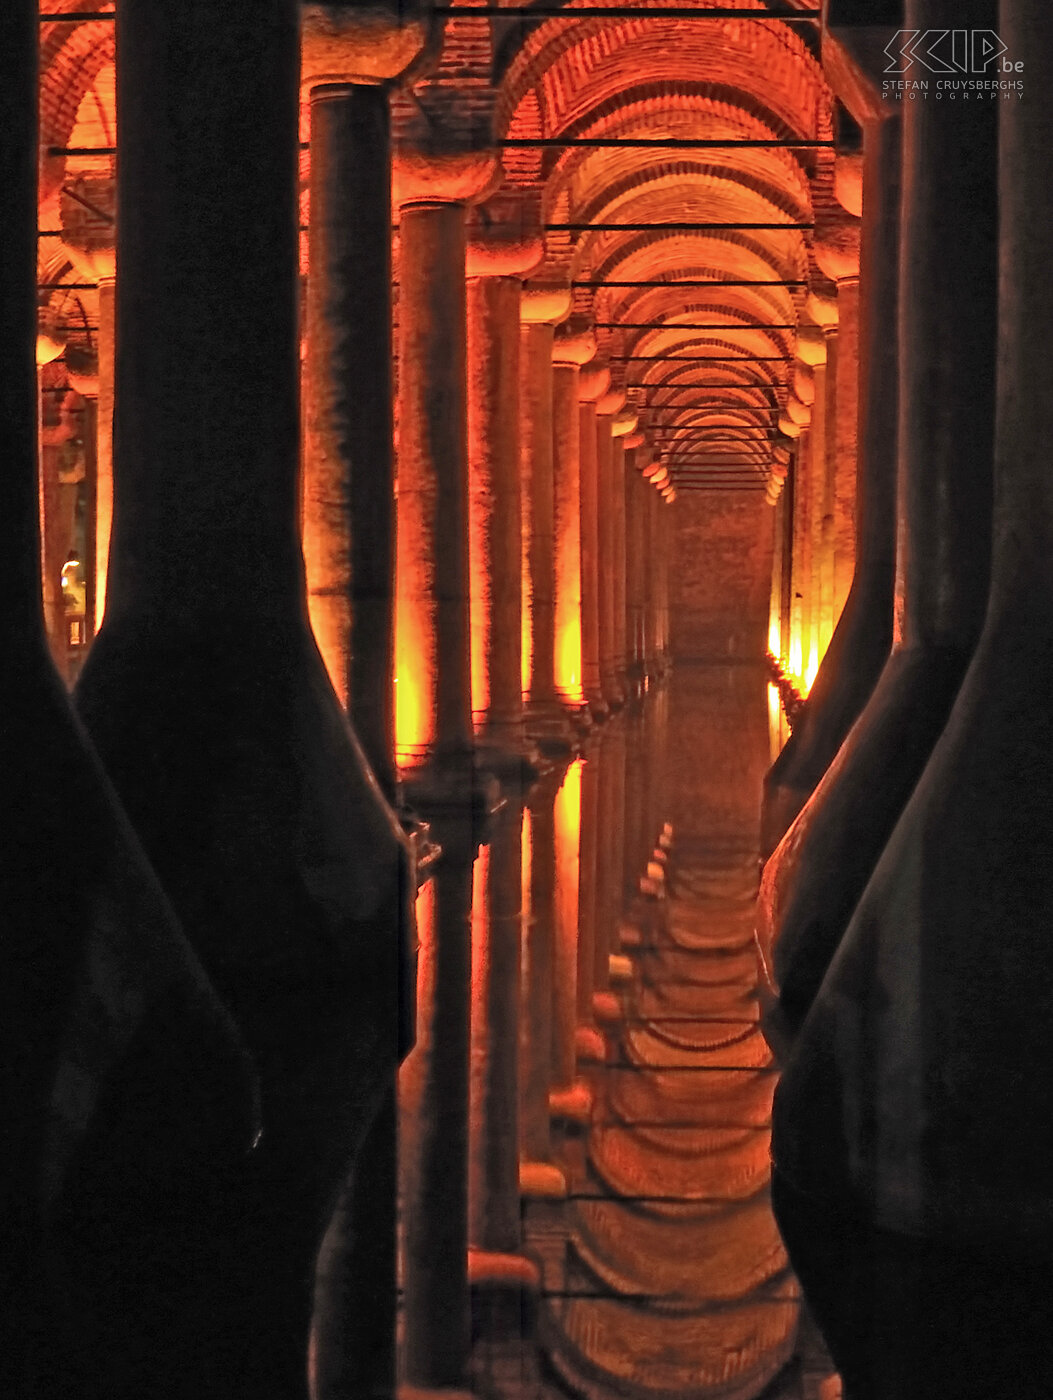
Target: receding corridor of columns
column 525, row 745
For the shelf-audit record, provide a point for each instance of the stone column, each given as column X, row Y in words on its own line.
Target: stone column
column 538, row 1175
column 348, row 458
column 593, row 382
column 859, row 646
column 622, row 425
column 493, row 1180
column 811, row 355
column 542, row 309
column 495, row 271
column 88, row 207
column 801, row 560
column 635, row 562
column 126, row 1094
column 606, row 408
column 434, row 1143
column 912, row 1093
column 205, row 685
column 944, row 528
column 573, row 346
column 432, row 616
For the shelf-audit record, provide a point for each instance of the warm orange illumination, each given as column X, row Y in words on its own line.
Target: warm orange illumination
column 526, row 609
column 568, row 659
column 775, row 633
column 812, row 668
column 795, row 664
column 414, row 687
column 567, row 828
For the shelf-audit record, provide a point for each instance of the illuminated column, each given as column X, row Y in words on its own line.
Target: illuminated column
column 348, row 457
column 635, row 558
column 943, row 524
column 802, row 559
column 495, row 272
column 538, row 1176
column 622, row 425
column 606, row 408
column 569, row 1098
column 837, row 251
column 572, row 347
column 846, row 437
column 433, row 705
column 205, row 692
column 593, row 381
column 649, row 498
column 810, row 377
column 541, row 309
column 826, row 311
column 493, row 1180
column 868, row 350
column 88, row 207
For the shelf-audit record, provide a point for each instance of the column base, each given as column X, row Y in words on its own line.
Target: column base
column 613, row 694
column 598, row 707
column 451, row 782
column 548, row 725
column 514, row 765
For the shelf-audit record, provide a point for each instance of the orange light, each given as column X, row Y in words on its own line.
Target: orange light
column 414, row 685
column 568, row 660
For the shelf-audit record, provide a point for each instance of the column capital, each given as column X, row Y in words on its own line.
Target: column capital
column 87, row 209
column 836, row 244
column 574, row 345
column 848, row 182
column 498, row 255
column 545, row 305
column 369, row 45
column 803, row 383
column 788, row 427
column 611, row 402
column 593, row 381
column 811, row 345
column 443, row 177
column 798, row 411
column 624, row 423
column 823, row 310
column 634, row 439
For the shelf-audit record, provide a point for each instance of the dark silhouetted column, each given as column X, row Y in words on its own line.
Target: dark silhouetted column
column 205, row 690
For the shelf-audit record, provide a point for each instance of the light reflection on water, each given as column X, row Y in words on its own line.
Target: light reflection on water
column 636, row 1079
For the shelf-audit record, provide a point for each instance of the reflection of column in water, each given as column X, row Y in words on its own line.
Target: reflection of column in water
column 493, row 1168
column 537, row 970
column 434, row 1093
column 567, row 1100
column 588, row 899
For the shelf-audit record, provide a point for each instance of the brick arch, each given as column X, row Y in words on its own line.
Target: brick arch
column 574, row 68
